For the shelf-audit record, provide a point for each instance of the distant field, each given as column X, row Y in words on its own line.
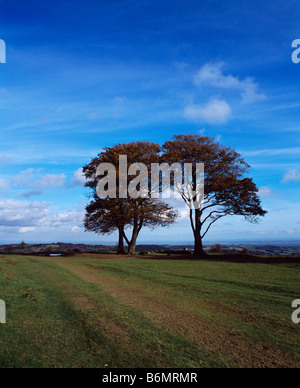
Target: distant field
column 97, row 311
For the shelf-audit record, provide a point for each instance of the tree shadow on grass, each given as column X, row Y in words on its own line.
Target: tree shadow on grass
column 236, row 258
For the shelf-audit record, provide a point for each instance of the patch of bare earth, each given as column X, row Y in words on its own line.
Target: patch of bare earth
column 102, row 256
column 85, row 303
column 209, row 336
column 119, row 333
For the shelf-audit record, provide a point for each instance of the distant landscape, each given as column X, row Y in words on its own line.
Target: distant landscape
column 262, row 249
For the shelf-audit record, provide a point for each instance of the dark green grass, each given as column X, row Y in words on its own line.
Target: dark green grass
column 48, row 326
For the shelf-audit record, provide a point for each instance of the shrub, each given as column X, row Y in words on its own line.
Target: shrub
column 217, row 248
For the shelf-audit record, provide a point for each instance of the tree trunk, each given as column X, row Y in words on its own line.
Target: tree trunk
column 132, row 245
column 121, row 249
column 198, row 246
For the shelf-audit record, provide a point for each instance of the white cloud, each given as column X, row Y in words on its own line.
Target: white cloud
column 37, row 182
column 292, row 175
column 211, row 75
column 66, row 218
column 26, row 229
column 22, row 213
column 32, row 178
column 25, row 214
column 78, row 178
column 214, row 112
column 24, row 178
column 51, row 181
column 266, row 192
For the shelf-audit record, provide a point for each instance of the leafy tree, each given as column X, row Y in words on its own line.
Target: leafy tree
column 106, row 215
column 227, row 190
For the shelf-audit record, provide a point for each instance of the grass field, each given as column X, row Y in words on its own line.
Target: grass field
column 97, row 311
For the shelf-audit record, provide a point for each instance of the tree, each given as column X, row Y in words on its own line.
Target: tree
column 106, row 215
column 226, row 189
column 217, row 248
column 148, row 213
column 22, row 245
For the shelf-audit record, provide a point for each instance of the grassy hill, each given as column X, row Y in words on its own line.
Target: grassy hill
column 108, row 311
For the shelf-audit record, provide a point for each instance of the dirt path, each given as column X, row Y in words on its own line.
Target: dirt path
column 209, row 336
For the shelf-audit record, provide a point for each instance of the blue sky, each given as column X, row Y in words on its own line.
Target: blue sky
column 81, row 75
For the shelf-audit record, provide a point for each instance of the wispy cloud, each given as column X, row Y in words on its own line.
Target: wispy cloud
column 266, row 192
column 273, row 152
column 35, row 180
column 78, row 179
column 292, row 175
column 31, row 193
column 51, row 181
column 211, row 75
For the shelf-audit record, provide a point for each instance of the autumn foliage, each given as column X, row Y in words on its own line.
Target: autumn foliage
column 227, row 189
column 107, row 215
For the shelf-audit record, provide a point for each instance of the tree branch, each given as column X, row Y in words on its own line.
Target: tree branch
column 192, row 221
column 126, row 239
column 209, row 226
